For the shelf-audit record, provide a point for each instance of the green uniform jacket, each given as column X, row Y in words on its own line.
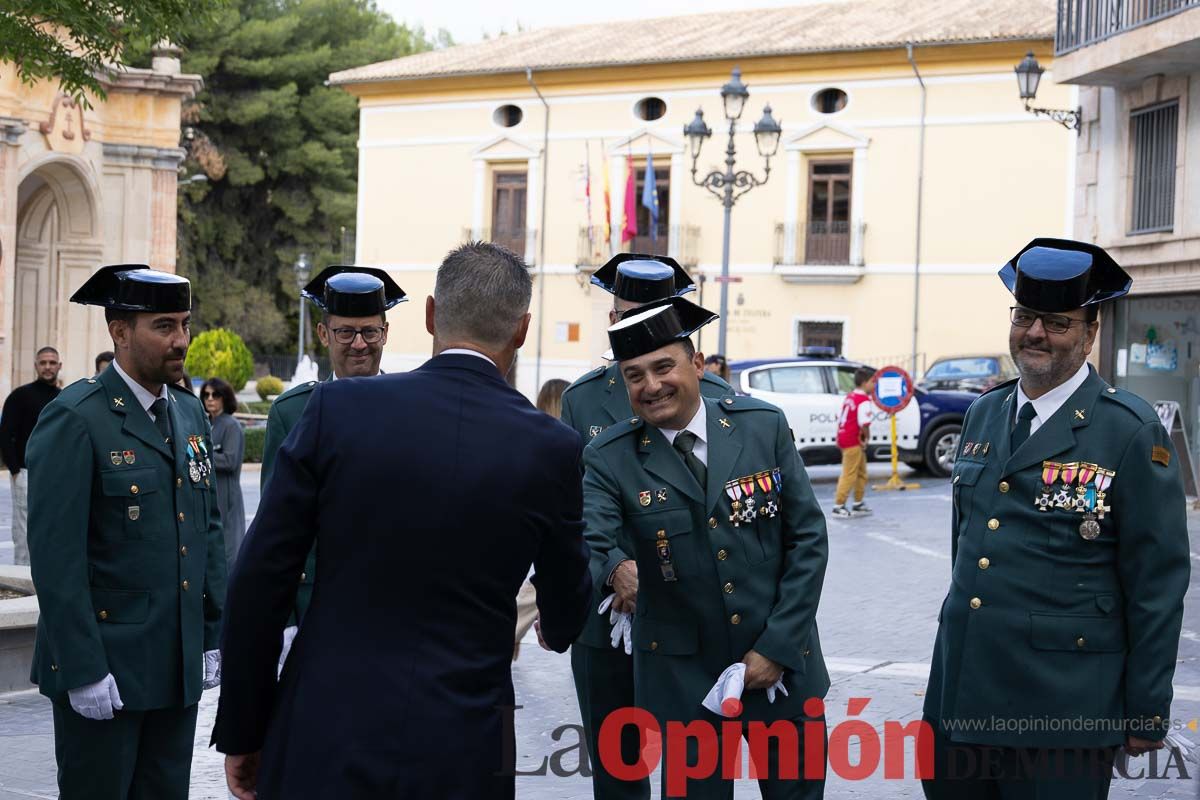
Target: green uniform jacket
column 1073, row 639
column 755, row 586
column 285, row 413
column 591, row 404
column 128, row 556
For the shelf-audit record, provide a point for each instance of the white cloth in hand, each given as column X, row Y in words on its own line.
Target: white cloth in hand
column 727, row 692
column 778, row 686
column 97, row 700
column 212, row 669
column 289, row 635
column 622, row 624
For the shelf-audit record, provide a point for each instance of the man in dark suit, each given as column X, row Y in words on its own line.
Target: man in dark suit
column 430, row 494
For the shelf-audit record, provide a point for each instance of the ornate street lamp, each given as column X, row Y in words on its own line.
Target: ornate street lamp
column 301, row 270
column 767, row 132
column 1029, row 75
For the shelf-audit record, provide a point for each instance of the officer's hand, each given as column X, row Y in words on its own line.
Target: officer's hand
column 241, row 773
column 1136, row 746
column 97, row 700
column 625, row 584
column 761, row 671
column 537, row 628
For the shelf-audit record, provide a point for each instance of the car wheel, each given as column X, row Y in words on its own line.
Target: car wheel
column 941, row 447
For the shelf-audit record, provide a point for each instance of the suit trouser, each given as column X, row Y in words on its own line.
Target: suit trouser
column 985, row 772
column 854, row 475
column 603, row 684
column 137, row 755
column 20, row 517
column 771, row 784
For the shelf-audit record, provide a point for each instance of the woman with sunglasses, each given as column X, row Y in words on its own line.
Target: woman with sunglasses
column 229, row 446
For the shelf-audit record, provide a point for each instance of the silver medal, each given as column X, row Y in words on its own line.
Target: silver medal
column 194, row 472
column 1089, row 529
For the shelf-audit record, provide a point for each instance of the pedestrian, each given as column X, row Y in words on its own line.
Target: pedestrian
column 353, row 302
column 228, row 452
column 702, row 523
column 1058, row 638
column 20, row 414
column 399, row 683
column 853, row 434
column 103, row 360
column 126, row 549
column 717, row 365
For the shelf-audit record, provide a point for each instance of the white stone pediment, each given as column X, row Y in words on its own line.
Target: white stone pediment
column 645, row 141
column 504, row 148
column 825, row 136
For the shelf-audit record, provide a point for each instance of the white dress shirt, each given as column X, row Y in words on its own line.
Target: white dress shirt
column 698, row 426
column 462, row 351
column 1051, row 401
column 143, row 397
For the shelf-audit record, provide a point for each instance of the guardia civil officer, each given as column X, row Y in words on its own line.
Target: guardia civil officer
column 353, row 302
column 604, row 675
column 127, row 552
column 709, row 500
column 1059, row 634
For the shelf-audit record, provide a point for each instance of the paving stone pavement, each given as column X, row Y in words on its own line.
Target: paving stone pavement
column 887, row 576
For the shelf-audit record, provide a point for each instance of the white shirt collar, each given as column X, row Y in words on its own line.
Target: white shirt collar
column 143, row 397
column 698, row 426
column 462, row 351
column 1051, row 401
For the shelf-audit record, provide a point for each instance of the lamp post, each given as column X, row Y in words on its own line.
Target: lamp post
column 1029, row 75
column 729, row 185
column 301, row 270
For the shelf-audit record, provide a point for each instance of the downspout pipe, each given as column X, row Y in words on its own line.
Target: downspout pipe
column 537, row 368
column 920, row 197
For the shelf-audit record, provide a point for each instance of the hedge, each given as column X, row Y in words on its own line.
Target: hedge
column 256, row 438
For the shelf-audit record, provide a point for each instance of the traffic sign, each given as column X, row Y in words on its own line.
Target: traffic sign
column 893, row 389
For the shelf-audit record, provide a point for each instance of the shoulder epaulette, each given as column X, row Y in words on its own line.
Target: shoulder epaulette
column 740, row 402
column 295, row 391
column 1005, row 384
column 587, row 377
column 616, row 431
column 1140, row 408
column 75, row 393
column 715, row 382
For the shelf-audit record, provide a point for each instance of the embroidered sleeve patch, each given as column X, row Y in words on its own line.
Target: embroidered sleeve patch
column 1160, row 455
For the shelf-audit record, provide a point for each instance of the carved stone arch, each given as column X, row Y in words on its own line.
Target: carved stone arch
column 75, row 191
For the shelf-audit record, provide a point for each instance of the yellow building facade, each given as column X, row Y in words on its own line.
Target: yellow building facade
column 455, row 145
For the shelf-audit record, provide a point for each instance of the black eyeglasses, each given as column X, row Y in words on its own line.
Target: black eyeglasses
column 1053, row 323
column 207, row 395
column 372, row 334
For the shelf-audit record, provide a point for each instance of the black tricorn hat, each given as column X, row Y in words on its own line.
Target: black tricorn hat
column 1054, row 275
column 644, row 330
column 135, row 287
column 641, row 278
column 350, row 291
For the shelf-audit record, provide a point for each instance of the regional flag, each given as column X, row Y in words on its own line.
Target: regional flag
column 630, row 228
column 650, row 197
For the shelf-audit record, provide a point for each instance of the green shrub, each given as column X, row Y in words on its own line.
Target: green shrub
column 269, row 385
column 220, row 353
column 256, row 438
column 258, row 407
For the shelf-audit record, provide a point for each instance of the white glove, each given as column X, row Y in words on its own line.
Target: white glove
column 777, row 687
column 97, row 700
column 212, row 669
column 725, row 697
column 622, row 624
column 289, row 635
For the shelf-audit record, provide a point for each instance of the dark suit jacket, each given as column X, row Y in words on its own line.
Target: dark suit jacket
column 430, row 494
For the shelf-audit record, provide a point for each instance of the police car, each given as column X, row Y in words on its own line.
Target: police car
column 810, row 390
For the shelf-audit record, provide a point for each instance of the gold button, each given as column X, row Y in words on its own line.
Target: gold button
column 712, row 522
column 728, row 401
column 661, row 534
column 178, row 482
column 181, row 516
column 654, row 645
column 633, row 421
column 206, row 482
column 54, row 667
column 722, row 555
column 133, row 489
column 956, row 477
column 102, row 614
column 303, row 576
column 976, row 602
column 728, row 588
column 1080, row 642
column 186, row 586
column 1003, row 487
column 1111, row 390
column 984, row 563
column 993, row 523
column 1157, row 719
column 736, row 619
column 183, row 551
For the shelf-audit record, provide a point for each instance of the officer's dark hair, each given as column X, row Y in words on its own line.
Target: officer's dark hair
column 688, row 347
column 222, row 390
column 1093, row 311
column 481, row 293
column 862, row 375
column 46, row 349
column 114, row 314
column 107, row 355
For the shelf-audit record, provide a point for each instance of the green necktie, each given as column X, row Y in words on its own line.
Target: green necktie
column 1021, row 432
column 162, row 418
column 685, row 443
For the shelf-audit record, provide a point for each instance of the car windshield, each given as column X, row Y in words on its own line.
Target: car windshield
column 957, row 368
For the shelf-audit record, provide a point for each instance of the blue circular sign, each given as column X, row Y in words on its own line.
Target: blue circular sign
column 893, row 389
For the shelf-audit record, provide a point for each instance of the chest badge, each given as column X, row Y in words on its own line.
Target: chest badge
column 129, row 456
column 595, row 430
column 115, row 458
column 661, row 494
column 644, row 499
column 134, row 513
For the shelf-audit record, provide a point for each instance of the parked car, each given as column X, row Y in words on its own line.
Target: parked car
column 968, row 373
column 810, row 389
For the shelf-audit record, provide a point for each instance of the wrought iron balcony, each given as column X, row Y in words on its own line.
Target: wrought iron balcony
column 823, row 243
column 1084, row 22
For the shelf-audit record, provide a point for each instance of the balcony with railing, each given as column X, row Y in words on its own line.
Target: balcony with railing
column 1155, row 38
column 824, row 251
column 514, row 239
column 679, row 241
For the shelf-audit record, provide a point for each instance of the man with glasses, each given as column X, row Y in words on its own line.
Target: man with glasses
column 353, row 303
column 1058, row 638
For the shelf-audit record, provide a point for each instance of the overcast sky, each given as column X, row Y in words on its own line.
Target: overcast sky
column 469, row 20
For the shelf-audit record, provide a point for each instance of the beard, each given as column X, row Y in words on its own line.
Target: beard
column 1047, row 372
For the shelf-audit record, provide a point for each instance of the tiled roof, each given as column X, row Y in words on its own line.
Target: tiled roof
column 837, row 25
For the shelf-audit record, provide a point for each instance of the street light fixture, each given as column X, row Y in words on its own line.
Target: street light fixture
column 1029, row 75
column 301, row 269
column 767, row 132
